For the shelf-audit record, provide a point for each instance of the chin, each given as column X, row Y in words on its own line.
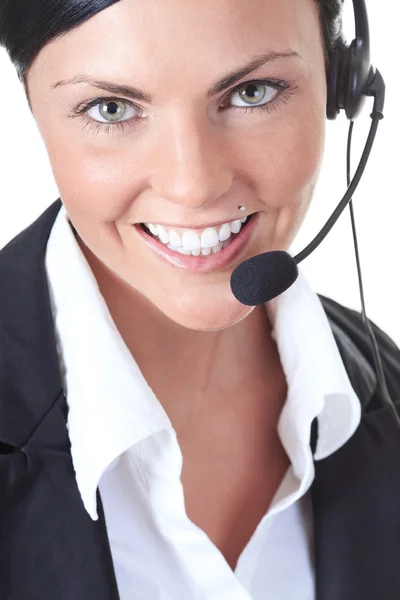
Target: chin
column 208, row 316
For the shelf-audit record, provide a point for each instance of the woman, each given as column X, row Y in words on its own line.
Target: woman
column 155, row 432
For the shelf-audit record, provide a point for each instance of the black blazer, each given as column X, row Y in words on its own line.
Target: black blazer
column 50, row 549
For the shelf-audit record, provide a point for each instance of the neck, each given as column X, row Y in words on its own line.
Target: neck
column 184, row 366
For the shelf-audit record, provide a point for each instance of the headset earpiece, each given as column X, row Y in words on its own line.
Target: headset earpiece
column 349, row 69
column 337, row 79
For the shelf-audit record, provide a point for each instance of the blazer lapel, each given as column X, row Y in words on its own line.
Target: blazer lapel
column 49, row 545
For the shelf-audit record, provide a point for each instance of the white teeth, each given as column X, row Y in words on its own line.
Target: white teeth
column 225, row 232
column 191, row 241
column 209, row 237
column 217, row 248
column 181, row 250
column 175, row 238
column 162, row 234
column 235, row 226
column 152, row 228
column 204, row 251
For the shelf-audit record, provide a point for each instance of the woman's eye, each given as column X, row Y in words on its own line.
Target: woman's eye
column 253, row 93
column 112, row 111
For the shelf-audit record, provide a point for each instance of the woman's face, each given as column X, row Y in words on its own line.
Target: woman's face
column 181, row 156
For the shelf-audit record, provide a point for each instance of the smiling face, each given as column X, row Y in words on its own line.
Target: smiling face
column 181, row 155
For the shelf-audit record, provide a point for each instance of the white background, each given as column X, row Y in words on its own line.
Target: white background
column 27, row 184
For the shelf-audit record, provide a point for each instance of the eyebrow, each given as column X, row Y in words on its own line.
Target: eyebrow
column 220, row 86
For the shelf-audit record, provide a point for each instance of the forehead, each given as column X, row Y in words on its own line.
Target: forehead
column 138, row 39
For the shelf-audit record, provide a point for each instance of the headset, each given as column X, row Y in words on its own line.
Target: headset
column 350, row 72
column 350, row 79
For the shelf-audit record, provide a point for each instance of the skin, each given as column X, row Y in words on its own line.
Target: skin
column 189, row 159
column 186, row 160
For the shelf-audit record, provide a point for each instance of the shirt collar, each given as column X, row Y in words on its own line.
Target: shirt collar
column 111, row 405
column 318, row 383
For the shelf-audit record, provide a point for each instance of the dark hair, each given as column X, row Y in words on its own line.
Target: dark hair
column 26, row 26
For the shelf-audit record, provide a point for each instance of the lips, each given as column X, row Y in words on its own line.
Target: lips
column 202, row 263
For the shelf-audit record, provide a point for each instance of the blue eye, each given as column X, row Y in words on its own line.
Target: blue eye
column 281, row 90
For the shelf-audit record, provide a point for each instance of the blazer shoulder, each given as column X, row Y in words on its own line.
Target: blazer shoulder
column 348, row 327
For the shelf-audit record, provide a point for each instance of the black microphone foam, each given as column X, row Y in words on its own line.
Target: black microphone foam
column 263, row 277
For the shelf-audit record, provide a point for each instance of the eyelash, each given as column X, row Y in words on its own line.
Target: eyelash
column 283, row 87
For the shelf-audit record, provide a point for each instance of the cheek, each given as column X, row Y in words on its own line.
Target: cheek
column 285, row 167
column 95, row 184
column 287, row 162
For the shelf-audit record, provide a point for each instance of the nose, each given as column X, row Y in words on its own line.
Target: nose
column 190, row 165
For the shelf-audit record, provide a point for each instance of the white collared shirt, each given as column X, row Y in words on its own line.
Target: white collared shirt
column 123, row 442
